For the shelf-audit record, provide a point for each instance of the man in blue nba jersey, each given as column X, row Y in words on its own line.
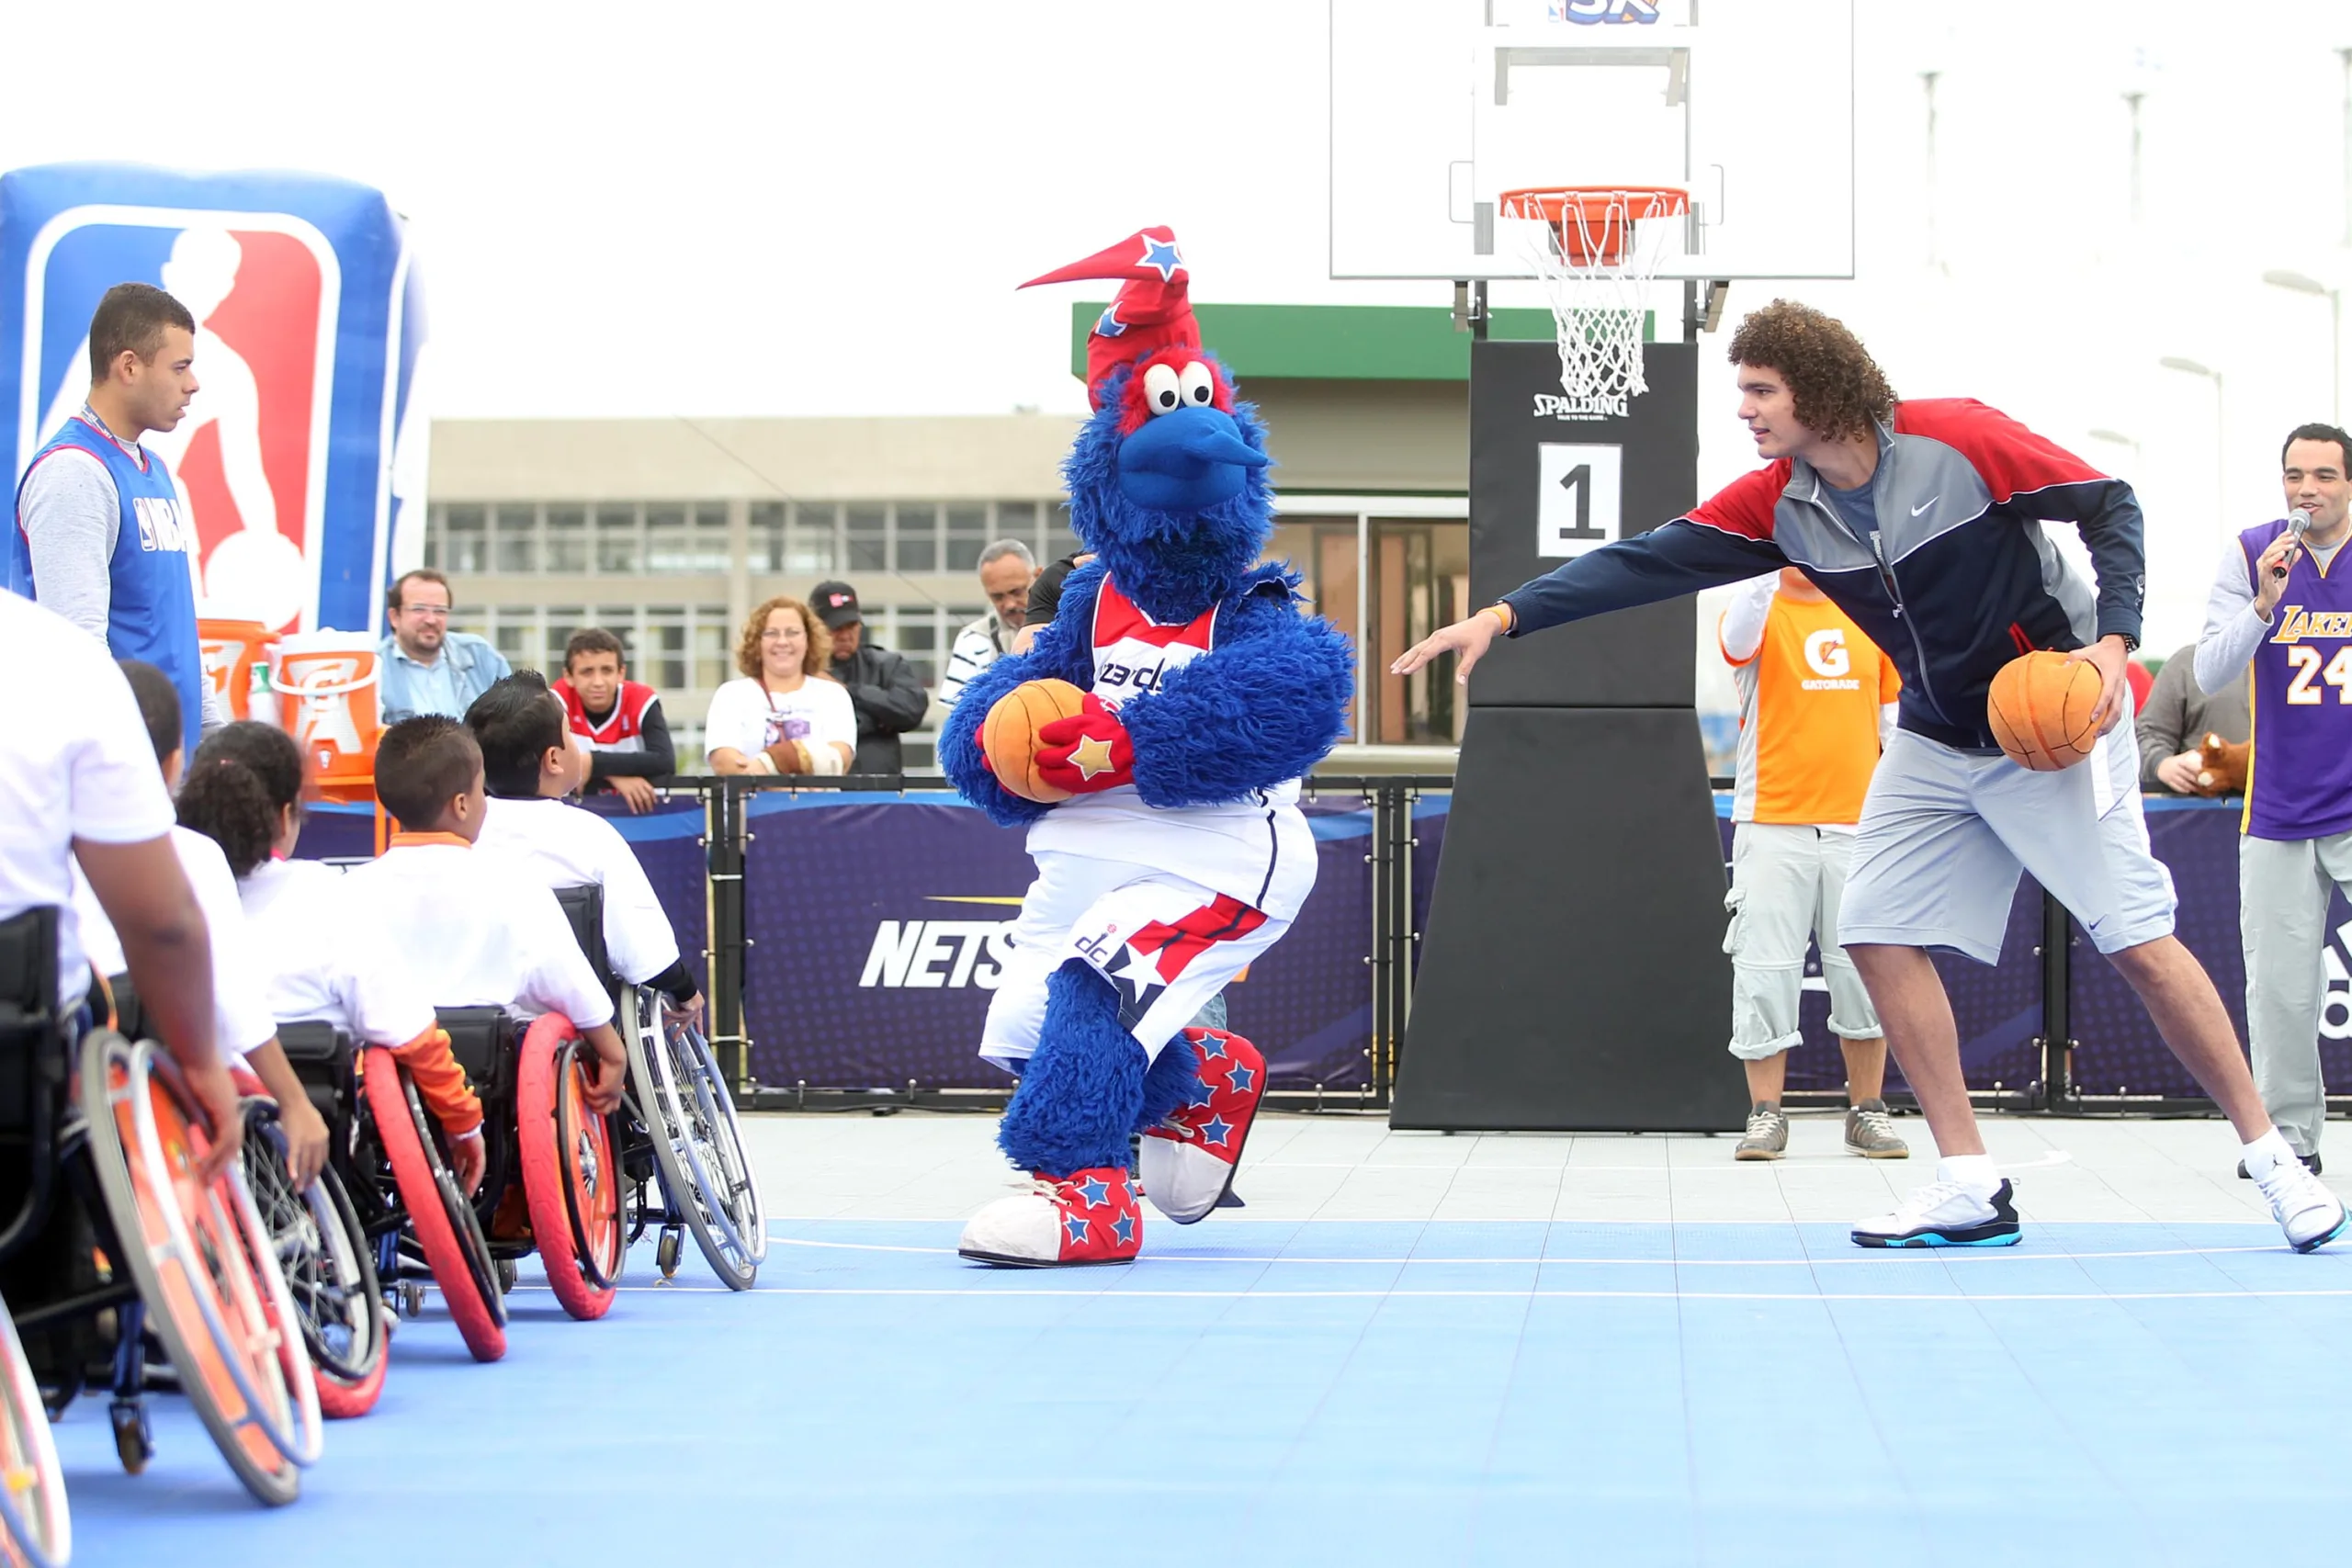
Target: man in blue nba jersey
column 101, row 537
column 2282, row 599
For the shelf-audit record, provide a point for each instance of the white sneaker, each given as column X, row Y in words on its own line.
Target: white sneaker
column 2310, row 1215
column 1945, row 1213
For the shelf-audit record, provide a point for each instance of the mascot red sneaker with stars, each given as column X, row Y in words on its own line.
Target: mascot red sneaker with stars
column 1183, row 691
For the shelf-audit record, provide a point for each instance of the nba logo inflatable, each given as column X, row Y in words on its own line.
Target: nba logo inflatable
column 302, row 460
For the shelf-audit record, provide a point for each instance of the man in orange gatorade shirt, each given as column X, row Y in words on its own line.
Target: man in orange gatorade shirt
column 1813, row 701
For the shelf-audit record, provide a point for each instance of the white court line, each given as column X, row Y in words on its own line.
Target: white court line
column 1889, row 1257
column 1967, row 1297
column 1727, row 1167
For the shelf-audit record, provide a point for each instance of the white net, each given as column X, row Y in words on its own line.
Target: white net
column 1596, row 262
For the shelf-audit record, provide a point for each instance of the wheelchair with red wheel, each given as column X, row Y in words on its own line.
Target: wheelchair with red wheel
column 677, row 1126
column 107, row 1242
column 392, row 1177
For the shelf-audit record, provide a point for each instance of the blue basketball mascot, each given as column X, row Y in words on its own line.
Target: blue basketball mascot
column 1152, row 743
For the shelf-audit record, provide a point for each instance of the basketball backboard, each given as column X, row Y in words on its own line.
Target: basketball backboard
column 1439, row 106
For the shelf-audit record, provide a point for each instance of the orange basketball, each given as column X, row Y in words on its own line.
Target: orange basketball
column 1009, row 735
column 2040, row 707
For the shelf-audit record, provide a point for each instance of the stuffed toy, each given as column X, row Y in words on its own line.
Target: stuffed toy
column 1152, row 741
column 2221, row 765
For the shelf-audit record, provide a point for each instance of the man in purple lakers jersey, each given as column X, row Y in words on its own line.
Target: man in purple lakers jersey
column 2282, row 599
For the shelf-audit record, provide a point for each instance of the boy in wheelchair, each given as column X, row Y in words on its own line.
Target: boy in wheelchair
column 245, row 1031
column 528, row 764
column 472, row 931
column 327, row 956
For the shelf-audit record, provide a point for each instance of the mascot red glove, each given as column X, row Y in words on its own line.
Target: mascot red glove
column 1088, row 751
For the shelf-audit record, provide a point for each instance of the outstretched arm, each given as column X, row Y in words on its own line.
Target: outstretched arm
column 1726, row 539
column 1265, row 705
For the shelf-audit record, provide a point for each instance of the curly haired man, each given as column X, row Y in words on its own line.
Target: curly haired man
column 1921, row 520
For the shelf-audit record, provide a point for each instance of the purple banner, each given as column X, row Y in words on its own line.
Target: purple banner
column 2121, row 1052
column 878, row 925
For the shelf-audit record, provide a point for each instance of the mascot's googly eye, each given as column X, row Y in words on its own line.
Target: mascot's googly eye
column 1198, row 385
column 1161, row 393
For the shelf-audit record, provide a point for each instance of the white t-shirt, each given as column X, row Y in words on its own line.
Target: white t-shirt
column 561, row 846
column 240, row 1015
column 747, row 717
column 478, row 934
column 275, row 879
column 331, row 955
column 76, row 764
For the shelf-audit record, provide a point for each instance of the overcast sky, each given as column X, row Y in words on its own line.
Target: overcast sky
column 800, row 208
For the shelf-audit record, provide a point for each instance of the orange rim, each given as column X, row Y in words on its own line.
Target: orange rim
column 552, row 1161
column 186, row 1293
column 590, row 1171
column 1605, row 215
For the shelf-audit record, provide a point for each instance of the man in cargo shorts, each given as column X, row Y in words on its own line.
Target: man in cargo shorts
column 1814, row 697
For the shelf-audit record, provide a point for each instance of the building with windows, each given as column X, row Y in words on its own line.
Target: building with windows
column 666, row 532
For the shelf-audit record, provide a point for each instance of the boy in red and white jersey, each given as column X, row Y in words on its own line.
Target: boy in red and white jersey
column 617, row 721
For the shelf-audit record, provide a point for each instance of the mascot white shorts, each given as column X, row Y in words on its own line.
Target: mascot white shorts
column 1167, row 945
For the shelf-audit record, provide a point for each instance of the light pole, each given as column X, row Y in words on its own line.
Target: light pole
column 2221, row 435
column 2299, row 284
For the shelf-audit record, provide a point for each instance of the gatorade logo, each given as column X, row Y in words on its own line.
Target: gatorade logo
column 1826, row 655
column 1825, row 651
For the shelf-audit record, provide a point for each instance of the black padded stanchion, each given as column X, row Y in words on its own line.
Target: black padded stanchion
column 1573, row 975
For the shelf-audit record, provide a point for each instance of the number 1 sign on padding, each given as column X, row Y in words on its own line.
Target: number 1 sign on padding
column 1576, row 492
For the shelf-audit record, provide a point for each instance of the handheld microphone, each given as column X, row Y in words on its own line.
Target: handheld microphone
column 2299, row 523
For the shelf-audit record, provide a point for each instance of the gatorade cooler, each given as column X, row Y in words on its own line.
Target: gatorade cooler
column 326, row 692
column 233, row 652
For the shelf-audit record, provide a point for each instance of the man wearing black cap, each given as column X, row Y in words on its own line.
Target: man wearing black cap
column 882, row 685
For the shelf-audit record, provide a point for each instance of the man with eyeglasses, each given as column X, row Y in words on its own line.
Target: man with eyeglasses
column 427, row 668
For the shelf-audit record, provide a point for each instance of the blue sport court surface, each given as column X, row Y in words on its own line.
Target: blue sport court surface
column 1388, row 1356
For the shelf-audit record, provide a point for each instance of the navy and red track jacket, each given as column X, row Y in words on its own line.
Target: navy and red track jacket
column 1958, row 578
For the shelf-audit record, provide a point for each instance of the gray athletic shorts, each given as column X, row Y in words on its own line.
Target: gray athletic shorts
column 1786, row 886
column 1944, row 834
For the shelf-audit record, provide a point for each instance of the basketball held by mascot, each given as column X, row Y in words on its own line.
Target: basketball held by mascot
column 1009, row 735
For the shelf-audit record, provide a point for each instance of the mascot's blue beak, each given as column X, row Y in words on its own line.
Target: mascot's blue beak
column 1186, row 461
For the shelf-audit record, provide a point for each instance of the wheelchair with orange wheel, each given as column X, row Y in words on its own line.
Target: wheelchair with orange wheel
column 105, row 1242
column 677, row 1127
column 320, row 1240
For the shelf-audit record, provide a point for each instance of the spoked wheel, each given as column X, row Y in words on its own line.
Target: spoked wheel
column 443, row 1221
column 329, row 1273
column 216, row 1298
column 571, row 1176
column 691, row 1119
column 32, row 1488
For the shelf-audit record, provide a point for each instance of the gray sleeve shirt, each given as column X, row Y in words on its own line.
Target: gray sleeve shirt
column 70, row 514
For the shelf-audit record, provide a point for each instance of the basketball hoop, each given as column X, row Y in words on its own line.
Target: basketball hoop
column 1597, row 248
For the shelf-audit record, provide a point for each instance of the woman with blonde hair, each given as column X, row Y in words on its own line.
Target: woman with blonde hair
column 785, row 715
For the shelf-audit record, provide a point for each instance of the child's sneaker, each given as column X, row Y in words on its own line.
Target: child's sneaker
column 1088, row 1216
column 1187, row 1162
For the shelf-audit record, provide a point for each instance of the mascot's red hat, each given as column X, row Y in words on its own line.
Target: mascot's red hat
column 1152, row 311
